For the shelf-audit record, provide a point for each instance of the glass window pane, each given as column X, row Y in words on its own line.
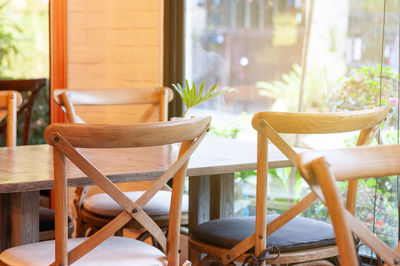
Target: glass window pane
column 256, row 46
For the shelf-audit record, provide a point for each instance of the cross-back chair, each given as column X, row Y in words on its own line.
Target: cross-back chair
column 93, row 208
column 115, row 106
column 298, row 239
column 103, row 248
column 9, row 103
column 321, row 169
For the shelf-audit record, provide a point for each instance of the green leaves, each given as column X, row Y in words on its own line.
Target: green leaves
column 191, row 97
column 7, row 38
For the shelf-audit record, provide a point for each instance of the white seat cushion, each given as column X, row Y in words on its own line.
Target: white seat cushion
column 113, row 251
column 102, row 204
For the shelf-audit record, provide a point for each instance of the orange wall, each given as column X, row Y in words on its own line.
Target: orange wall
column 114, row 44
column 105, row 44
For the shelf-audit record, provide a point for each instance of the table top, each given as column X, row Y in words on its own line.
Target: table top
column 29, row 168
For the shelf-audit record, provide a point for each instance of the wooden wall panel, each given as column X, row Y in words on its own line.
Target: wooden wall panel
column 58, row 54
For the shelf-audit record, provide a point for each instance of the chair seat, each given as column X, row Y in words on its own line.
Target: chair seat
column 102, row 204
column 113, row 251
column 46, row 219
column 298, row 234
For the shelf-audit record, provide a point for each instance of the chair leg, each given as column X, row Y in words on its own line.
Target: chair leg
column 90, row 231
column 120, row 232
column 194, row 256
column 79, row 230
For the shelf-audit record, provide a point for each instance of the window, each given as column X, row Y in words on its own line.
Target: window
column 256, row 46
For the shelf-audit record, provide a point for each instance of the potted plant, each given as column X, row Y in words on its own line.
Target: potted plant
column 191, row 97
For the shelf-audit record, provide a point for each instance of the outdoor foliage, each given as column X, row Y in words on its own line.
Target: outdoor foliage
column 7, row 38
column 286, row 91
column 40, row 117
column 234, row 129
column 32, row 58
column 191, row 97
column 361, row 87
column 283, row 193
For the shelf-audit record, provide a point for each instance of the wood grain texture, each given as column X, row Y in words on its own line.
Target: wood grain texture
column 61, row 208
column 322, row 123
column 118, row 136
column 199, row 200
column 20, row 208
column 5, row 97
column 261, row 194
column 344, row 238
column 59, row 54
column 9, row 103
column 358, row 162
column 12, row 119
column 221, row 196
column 115, row 106
column 24, row 217
column 114, row 96
column 176, row 206
column 113, row 191
column 60, row 139
column 269, row 125
column 322, row 168
column 216, row 155
column 112, row 106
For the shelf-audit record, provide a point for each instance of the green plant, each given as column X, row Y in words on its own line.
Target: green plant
column 7, row 38
column 191, row 97
column 231, row 129
column 29, row 56
column 361, row 87
column 286, row 91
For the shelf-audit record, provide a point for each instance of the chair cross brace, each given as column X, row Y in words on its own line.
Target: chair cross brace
column 130, row 209
column 358, row 228
column 269, row 132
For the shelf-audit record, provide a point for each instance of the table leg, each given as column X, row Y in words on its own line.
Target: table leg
column 199, row 200
column 210, row 199
column 222, row 196
column 24, row 207
column 5, row 221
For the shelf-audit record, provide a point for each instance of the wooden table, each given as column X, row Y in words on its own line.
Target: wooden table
column 25, row 170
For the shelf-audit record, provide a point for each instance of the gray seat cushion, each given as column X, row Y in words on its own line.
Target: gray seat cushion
column 102, row 204
column 113, row 251
column 298, row 234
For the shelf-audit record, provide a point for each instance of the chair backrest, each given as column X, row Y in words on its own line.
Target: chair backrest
column 9, row 103
column 115, row 106
column 67, row 137
column 268, row 126
column 322, row 168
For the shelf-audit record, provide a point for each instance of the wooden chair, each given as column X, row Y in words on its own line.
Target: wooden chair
column 9, row 103
column 31, row 87
column 93, row 208
column 235, row 239
column 321, row 169
column 103, row 248
column 115, row 106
